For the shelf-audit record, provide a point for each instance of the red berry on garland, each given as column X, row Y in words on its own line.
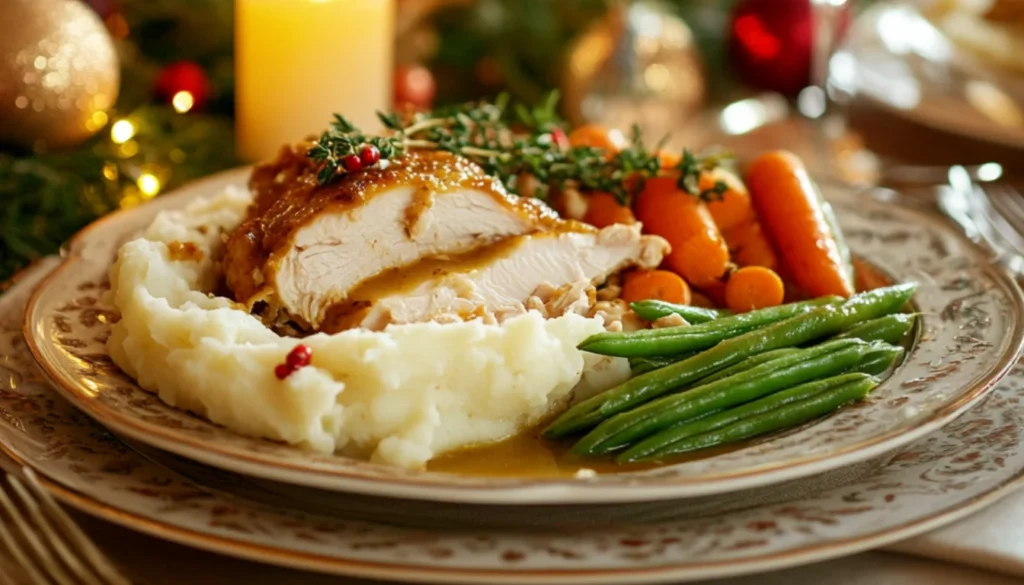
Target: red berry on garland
column 771, row 43
column 184, row 85
column 369, row 155
column 352, row 163
column 300, row 356
column 414, row 86
column 282, row 371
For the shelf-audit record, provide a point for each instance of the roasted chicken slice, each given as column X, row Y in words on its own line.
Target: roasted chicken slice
column 304, row 246
column 552, row 272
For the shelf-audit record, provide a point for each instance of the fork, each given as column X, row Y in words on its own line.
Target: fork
column 1008, row 203
column 38, row 538
column 990, row 217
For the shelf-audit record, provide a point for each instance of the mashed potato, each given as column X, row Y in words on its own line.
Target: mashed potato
column 401, row 396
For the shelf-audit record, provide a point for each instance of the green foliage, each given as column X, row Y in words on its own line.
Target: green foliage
column 510, row 143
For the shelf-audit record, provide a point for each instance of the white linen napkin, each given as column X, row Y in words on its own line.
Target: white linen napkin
column 992, row 539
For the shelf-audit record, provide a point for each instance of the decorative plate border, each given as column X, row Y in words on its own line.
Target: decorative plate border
column 939, row 479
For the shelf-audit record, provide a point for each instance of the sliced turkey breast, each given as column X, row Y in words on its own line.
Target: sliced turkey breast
column 303, row 246
column 548, row 271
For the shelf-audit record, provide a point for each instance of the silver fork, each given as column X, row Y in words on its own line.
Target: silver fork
column 38, row 538
column 1008, row 203
column 990, row 225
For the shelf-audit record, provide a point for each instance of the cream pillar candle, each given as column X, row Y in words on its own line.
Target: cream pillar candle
column 297, row 62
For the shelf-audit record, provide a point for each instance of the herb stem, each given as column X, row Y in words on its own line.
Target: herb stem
column 478, row 132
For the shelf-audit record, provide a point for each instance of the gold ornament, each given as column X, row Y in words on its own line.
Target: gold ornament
column 639, row 64
column 59, row 73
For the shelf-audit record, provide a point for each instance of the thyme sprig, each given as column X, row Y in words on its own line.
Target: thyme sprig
column 512, row 146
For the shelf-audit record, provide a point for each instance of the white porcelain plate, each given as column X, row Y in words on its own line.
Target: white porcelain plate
column 936, row 480
column 970, row 334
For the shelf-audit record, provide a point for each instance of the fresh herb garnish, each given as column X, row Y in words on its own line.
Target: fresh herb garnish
column 533, row 143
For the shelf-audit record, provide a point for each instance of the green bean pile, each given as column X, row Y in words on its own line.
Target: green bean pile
column 730, row 377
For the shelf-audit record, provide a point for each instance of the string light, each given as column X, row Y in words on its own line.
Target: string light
column 122, row 131
column 149, row 184
column 182, row 102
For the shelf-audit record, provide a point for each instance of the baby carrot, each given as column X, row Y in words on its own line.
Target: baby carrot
column 753, row 287
column 661, row 285
column 732, row 207
column 749, row 246
column 597, row 136
column 699, row 253
column 603, row 210
column 790, row 210
column 668, row 159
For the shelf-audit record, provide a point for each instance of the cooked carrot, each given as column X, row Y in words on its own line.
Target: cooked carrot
column 603, row 210
column 753, row 287
column 699, row 253
column 668, row 159
column 733, row 206
column 788, row 205
column 662, row 285
column 749, row 246
column 699, row 299
column 598, row 136
column 715, row 293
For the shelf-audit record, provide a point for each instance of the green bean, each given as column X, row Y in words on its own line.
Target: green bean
column 890, row 328
column 784, row 417
column 819, row 322
column 652, row 310
column 827, row 359
column 879, row 358
column 642, row 365
column 674, row 340
column 748, row 363
column 664, row 439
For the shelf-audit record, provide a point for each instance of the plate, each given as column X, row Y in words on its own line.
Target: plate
column 936, row 480
column 971, row 332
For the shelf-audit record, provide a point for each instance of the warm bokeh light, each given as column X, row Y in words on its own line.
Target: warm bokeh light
column 148, row 184
column 182, row 102
column 122, row 131
column 96, row 121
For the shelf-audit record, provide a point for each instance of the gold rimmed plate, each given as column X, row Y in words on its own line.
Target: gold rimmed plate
column 934, row 481
column 970, row 329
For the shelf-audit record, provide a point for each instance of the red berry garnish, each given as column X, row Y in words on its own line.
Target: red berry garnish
column 282, row 371
column 559, row 137
column 369, row 155
column 352, row 163
column 299, row 356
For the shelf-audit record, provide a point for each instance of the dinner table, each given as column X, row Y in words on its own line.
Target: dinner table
column 984, row 548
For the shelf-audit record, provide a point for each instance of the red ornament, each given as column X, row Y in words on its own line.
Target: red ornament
column 414, row 86
column 369, row 155
column 352, row 163
column 183, row 77
column 770, row 43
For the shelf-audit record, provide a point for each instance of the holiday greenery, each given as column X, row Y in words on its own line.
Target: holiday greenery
column 509, row 144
